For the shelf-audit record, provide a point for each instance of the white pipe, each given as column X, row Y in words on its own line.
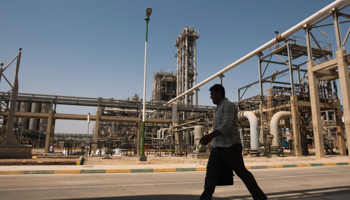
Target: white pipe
column 125, row 110
column 163, row 132
column 158, row 133
column 279, row 38
column 254, row 128
column 274, row 126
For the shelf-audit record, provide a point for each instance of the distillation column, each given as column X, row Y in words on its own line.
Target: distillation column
column 186, row 65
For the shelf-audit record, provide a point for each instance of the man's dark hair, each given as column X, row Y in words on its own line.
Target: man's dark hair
column 218, row 88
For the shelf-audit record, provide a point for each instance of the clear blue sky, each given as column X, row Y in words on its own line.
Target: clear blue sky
column 96, row 48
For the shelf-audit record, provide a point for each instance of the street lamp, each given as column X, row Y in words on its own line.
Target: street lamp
column 142, row 156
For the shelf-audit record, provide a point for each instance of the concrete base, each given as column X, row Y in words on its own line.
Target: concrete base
column 199, row 155
column 274, row 151
column 16, row 151
column 53, row 154
column 142, row 162
column 254, row 153
column 143, row 159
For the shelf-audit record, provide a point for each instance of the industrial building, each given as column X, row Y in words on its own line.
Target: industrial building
column 296, row 111
column 164, row 86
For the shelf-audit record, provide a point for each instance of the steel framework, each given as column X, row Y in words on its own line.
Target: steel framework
column 186, row 65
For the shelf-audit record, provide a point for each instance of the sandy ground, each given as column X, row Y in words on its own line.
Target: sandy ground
column 132, row 160
column 167, row 159
column 127, row 160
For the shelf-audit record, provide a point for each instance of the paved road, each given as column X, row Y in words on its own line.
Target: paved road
column 331, row 182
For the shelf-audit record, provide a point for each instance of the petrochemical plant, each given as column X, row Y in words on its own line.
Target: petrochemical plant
column 296, row 111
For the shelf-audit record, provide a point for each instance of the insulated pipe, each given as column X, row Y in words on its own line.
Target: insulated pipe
column 324, row 11
column 158, row 133
column 254, row 129
column 274, row 126
column 126, row 110
column 163, row 132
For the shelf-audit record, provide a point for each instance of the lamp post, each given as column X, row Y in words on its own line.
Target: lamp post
column 142, row 156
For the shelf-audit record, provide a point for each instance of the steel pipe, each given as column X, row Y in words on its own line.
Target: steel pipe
column 254, row 129
column 324, row 11
column 274, row 126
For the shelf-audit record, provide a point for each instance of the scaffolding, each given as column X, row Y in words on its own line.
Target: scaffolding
column 186, row 65
column 164, row 86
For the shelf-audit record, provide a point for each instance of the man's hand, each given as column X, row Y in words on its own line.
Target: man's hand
column 207, row 138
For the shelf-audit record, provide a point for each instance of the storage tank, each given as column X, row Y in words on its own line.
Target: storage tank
column 198, row 132
column 34, row 122
column 25, row 107
column 45, row 107
column 17, row 109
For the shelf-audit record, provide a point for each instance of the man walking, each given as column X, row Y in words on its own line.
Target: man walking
column 227, row 147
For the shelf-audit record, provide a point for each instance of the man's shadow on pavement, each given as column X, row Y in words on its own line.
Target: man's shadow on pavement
column 157, row 197
column 292, row 194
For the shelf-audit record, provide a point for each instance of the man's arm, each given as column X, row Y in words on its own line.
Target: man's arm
column 208, row 138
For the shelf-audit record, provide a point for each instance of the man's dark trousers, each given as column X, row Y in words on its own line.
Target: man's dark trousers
column 232, row 156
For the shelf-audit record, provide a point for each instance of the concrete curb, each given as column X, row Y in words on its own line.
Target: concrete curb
column 78, row 161
column 84, row 171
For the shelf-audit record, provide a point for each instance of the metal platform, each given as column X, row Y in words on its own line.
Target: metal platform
column 96, row 102
column 300, row 50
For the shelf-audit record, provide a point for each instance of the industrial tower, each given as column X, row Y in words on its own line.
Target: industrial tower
column 186, row 65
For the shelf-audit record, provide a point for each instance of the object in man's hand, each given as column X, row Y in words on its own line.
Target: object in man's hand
column 226, row 177
column 201, row 148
